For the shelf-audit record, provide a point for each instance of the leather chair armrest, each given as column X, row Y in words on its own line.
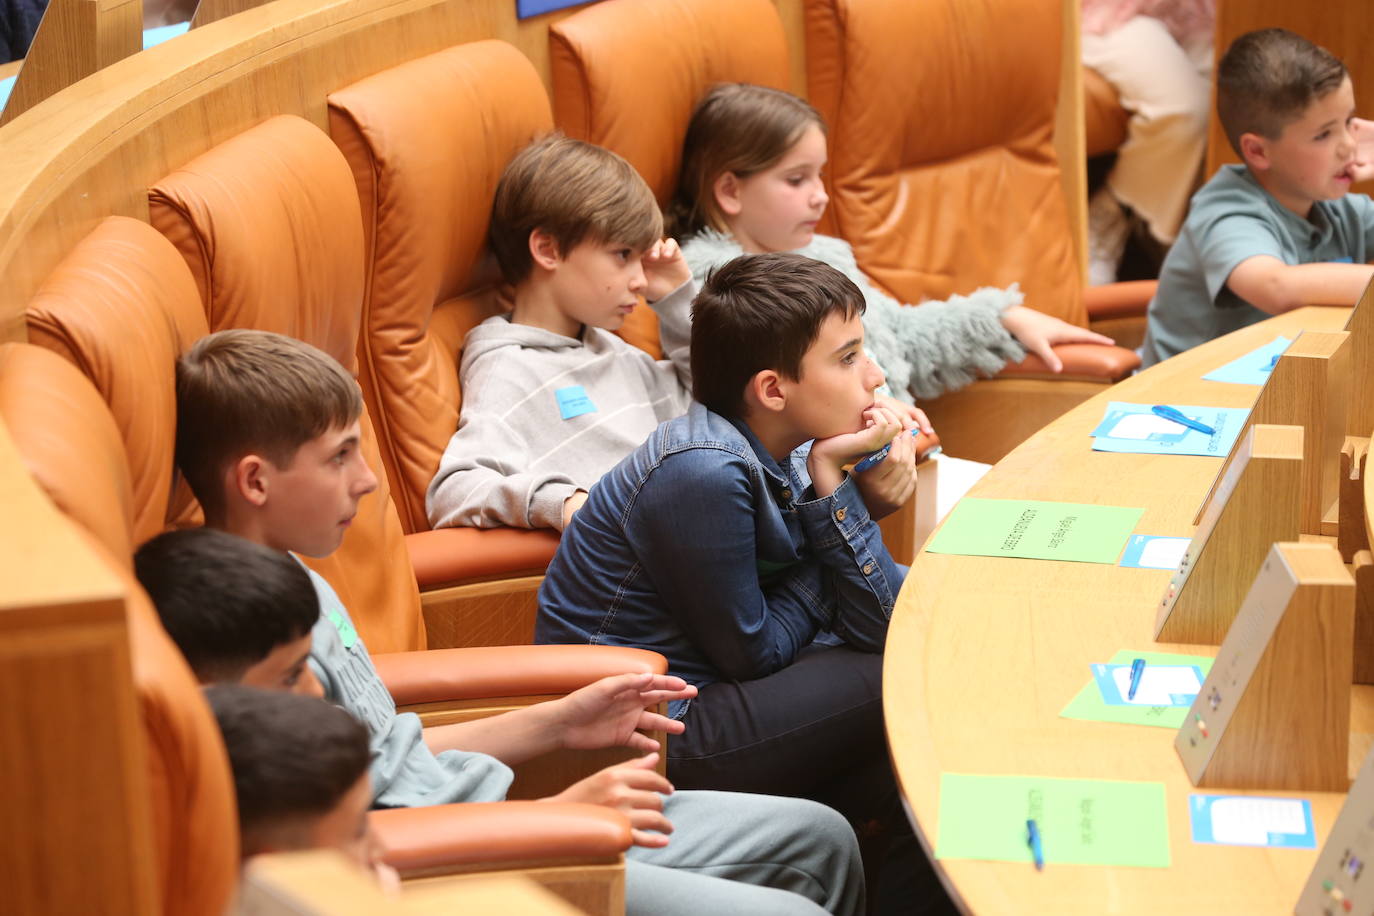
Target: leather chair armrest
column 451, row 556
column 497, row 833
column 1119, row 300
column 1082, row 362
column 438, row 675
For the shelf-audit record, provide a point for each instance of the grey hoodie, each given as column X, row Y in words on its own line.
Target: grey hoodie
column 925, row 350
column 546, row 415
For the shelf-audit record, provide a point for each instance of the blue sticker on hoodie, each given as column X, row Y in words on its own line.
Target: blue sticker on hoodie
column 573, row 402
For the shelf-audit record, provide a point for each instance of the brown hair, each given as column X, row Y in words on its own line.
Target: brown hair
column 739, row 128
column 573, row 191
column 1267, row 78
column 294, row 758
column 761, row 311
column 241, row 391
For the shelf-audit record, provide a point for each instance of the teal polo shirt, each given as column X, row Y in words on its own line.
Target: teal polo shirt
column 1230, row 219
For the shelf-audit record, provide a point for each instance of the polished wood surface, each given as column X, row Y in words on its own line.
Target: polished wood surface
column 320, row 881
column 984, row 652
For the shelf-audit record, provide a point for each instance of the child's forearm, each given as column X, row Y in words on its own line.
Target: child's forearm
column 512, row 737
column 1274, row 287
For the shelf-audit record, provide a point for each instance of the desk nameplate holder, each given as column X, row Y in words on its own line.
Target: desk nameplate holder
column 1336, row 885
column 1274, row 712
column 1309, row 387
column 1255, row 504
column 1360, row 403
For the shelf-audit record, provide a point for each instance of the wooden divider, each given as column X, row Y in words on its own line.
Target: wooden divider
column 73, row 780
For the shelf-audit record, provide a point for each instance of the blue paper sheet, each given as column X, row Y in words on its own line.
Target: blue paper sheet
column 1251, row 820
column 1151, row 551
column 1135, row 428
column 1251, row 369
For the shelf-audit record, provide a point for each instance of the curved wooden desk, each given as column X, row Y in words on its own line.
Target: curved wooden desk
column 984, row 652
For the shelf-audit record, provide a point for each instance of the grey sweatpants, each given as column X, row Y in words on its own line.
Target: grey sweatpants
column 733, row 852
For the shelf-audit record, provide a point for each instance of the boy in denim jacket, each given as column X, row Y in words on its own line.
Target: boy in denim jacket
column 734, row 537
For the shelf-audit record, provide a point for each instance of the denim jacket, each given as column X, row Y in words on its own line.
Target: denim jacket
column 700, row 546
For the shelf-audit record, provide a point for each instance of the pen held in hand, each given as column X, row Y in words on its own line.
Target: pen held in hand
column 875, row 458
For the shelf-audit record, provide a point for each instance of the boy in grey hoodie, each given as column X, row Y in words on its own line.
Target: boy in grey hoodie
column 552, row 399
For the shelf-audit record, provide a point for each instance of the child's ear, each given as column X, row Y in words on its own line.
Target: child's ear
column 544, row 249
column 726, row 190
column 248, row 479
column 765, row 391
column 1254, row 149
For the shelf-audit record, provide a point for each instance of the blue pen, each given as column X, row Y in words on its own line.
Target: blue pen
column 1170, row 413
column 1033, row 838
column 1137, row 670
column 876, row 458
column 1272, row 363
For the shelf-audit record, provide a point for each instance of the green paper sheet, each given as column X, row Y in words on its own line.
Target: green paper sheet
column 1081, row 821
column 1036, row 530
column 1087, row 704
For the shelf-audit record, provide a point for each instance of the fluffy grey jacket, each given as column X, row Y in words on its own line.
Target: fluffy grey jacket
column 546, row 415
column 924, row 350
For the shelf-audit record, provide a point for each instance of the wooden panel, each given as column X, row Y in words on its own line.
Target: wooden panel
column 1343, row 27
column 590, row 887
column 1274, row 712
column 321, row 881
column 73, row 784
column 498, row 613
column 74, row 39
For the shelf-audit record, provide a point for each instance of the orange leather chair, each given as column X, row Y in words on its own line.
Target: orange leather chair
column 67, row 436
column 1104, row 120
column 943, row 177
column 121, row 307
column 426, row 142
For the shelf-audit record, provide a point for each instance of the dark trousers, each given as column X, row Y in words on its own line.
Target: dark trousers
column 813, row 730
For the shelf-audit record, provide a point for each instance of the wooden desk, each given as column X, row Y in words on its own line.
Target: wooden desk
column 984, row 652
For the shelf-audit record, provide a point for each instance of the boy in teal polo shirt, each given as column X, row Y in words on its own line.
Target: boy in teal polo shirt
column 1280, row 231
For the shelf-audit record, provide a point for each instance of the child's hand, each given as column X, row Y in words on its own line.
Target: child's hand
column 632, row 788
column 1363, row 133
column 912, row 417
column 887, row 485
column 664, row 269
column 828, row 456
column 1038, row 333
column 571, row 505
column 608, row 712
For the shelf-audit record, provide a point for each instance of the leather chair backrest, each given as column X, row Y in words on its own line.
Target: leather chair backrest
column 69, row 440
column 427, row 142
column 121, row 307
column 627, row 74
column 269, row 224
column 942, row 171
